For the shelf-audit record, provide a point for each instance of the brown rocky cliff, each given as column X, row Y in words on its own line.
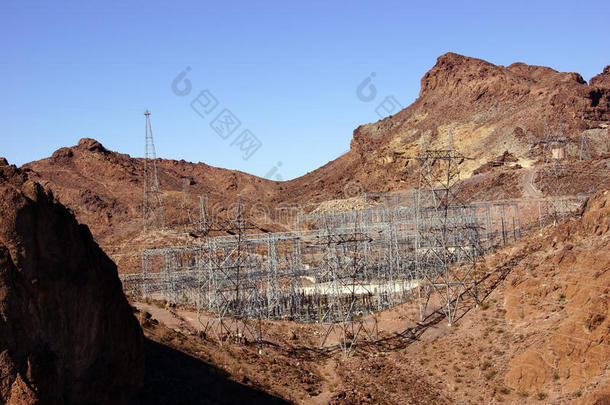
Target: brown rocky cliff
column 602, row 79
column 489, row 108
column 599, row 93
column 67, row 333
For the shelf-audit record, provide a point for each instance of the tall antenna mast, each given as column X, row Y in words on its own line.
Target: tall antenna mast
column 152, row 210
column 450, row 139
column 585, row 153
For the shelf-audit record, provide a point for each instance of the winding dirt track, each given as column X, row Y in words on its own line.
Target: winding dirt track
column 528, row 184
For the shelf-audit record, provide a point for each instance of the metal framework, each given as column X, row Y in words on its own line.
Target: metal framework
column 554, row 177
column 336, row 270
column 153, row 214
column 339, row 269
column 553, row 146
column 184, row 206
column 448, row 234
column 585, row 153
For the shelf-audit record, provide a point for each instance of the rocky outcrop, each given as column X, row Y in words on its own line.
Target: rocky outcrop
column 489, row 108
column 602, row 79
column 67, row 333
column 599, row 94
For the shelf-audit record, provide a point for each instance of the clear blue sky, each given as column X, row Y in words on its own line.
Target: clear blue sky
column 288, row 71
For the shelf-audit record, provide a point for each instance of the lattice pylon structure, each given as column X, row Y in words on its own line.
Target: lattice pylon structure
column 553, row 145
column 203, row 215
column 585, row 153
column 184, row 206
column 447, row 244
column 346, row 261
column 338, row 274
column 233, row 294
column 553, row 176
column 153, row 213
column 228, row 290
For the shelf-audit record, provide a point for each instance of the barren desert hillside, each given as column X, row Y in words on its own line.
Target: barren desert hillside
column 496, row 115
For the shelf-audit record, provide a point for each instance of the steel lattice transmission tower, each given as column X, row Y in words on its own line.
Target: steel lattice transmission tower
column 447, row 239
column 554, row 178
column 585, row 153
column 153, row 213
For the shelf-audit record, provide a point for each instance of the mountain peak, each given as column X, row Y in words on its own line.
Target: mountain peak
column 602, row 79
column 453, row 70
column 91, row 145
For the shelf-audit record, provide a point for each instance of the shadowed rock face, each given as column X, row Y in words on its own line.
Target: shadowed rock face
column 67, row 333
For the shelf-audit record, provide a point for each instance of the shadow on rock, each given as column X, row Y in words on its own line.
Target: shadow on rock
column 173, row 377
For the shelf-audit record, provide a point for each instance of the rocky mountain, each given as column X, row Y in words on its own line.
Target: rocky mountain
column 492, row 111
column 67, row 333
